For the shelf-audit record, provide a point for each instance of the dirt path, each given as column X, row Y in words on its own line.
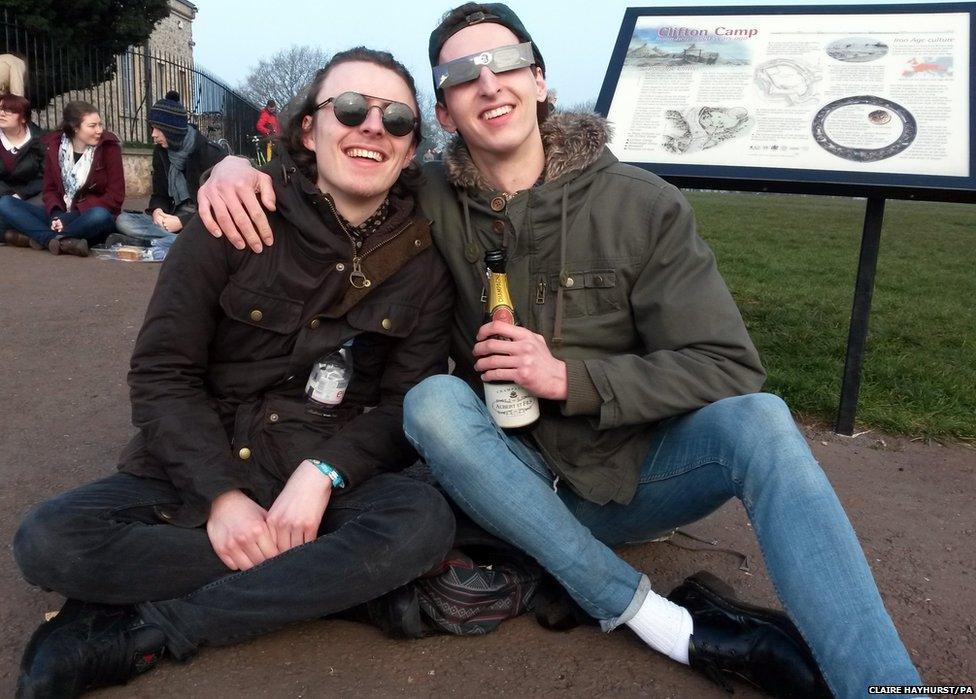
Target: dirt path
column 68, row 326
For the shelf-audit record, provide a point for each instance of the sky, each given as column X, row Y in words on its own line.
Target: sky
column 575, row 37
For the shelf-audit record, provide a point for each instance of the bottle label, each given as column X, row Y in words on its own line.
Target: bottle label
column 327, row 384
column 511, row 405
column 500, row 304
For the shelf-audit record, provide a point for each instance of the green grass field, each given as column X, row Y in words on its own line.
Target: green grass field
column 791, row 262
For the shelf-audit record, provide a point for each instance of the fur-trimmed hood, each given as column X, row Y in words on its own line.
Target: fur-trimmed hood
column 572, row 142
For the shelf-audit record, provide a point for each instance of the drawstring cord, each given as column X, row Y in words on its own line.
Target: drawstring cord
column 557, row 330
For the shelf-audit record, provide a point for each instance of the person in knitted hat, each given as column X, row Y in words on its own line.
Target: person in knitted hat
column 181, row 155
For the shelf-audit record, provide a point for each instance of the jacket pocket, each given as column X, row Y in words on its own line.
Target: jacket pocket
column 259, row 309
column 384, row 318
column 588, row 292
column 290, row 433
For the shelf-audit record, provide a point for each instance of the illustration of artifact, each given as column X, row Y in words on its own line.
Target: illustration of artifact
column 873, row 119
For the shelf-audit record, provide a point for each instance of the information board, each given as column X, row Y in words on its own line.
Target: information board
column 857, row 100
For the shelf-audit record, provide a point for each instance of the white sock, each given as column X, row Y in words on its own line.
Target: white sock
column 664, row 626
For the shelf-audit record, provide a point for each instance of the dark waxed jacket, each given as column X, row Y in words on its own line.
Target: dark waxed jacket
column 26, row 179
column 220, row 365
column 604, row 262
column 203, row 157
column 105, row 186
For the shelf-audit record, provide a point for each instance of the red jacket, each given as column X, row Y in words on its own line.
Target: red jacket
column 104, row 187
column 268, row 123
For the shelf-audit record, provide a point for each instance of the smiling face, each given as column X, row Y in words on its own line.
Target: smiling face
column 496, row 114
column 357, row 165
column 89, row 132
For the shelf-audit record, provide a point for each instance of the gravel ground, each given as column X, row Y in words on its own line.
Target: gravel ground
column 68, row 327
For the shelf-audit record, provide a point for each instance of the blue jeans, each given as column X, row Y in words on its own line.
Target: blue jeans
column 36, row 199
column 104, row 543
column 93, row 225
column 142, row 228
column 746, row 447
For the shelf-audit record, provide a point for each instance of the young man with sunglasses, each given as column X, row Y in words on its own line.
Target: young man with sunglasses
column 255, row 494
column 650, row 413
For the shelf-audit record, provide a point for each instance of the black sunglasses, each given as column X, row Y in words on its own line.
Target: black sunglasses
column 351, row 109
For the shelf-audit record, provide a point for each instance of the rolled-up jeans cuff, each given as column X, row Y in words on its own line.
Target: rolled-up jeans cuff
column 179, row 646
column 643, row 587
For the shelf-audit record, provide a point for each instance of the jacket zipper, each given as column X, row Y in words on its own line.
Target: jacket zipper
column 357, row 278
column 540, row 290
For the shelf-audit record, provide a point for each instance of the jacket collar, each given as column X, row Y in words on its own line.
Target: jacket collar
column 572, row 142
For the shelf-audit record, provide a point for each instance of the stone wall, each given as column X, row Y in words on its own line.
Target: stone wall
column 137, row 165
column 173, row 36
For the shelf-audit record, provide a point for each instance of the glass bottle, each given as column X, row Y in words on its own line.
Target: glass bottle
column 328, row 380
column 512, row 407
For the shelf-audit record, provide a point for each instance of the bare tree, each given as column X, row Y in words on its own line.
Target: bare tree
column 283, row 75
column 435, row 137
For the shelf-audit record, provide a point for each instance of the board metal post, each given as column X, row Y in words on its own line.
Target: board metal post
column 857, row 337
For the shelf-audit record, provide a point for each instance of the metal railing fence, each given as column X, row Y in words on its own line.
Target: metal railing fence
column 124, row 87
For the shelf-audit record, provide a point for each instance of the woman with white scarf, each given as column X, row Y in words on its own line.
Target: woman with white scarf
column 84, row 186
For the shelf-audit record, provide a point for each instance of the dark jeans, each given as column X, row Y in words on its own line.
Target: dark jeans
column 93, row 225
column 103, row 543
column 36, row 200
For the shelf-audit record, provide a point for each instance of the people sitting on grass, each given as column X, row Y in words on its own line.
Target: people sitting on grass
column 256, row 493
column 181, row 155
column 84, row 187
column 21, row 159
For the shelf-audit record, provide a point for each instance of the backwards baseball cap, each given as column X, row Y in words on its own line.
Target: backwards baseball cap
column 478, row 13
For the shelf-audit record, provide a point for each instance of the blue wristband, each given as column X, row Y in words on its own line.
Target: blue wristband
column 334, row 476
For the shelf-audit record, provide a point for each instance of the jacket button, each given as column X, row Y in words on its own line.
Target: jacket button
column 497, row 203
column 498, row 226
column 244, row 453
column 256, row 315
column 417, row 243
column 570, row 282
column 598, row 279
column 273, row 417
column 314, row 323
column 164, row 514
column 387, row 323
column 340, row 267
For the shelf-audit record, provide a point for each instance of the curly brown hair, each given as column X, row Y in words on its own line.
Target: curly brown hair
column 291, row 136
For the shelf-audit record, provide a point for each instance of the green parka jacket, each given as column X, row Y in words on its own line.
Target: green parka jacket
column 605, row 264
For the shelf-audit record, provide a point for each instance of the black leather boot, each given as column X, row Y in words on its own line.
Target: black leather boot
column 87, row 646
column 732, row 639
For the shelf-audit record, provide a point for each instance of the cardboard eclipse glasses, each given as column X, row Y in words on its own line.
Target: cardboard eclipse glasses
column 468, row 68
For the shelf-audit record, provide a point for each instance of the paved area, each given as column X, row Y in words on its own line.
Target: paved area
column 68, row 326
